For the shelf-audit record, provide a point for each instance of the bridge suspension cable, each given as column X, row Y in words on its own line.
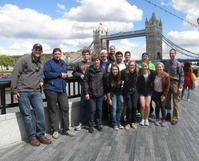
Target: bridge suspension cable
column 179, row 49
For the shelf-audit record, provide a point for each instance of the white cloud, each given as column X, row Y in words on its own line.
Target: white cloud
column 75, row 28
column 190, row 8
column 61, row 6
column 92, row 11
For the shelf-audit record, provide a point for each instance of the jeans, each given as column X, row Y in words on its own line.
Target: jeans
column 186, row 90
column 57, row 102
column 131, row 102
column 117, row 107
column 34, row 99
column 95, row 110
column 160, row 105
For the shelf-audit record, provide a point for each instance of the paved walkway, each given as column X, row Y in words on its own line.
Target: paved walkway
column 172, row 143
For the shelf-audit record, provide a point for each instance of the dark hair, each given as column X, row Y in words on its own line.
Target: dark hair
column 172, row 49
column 86, row 51
column 95, row 57
column 127, row 52
column 111, row 74
column 118, row 53
column 56, row 49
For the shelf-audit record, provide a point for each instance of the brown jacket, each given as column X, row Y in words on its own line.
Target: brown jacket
column 165, row 82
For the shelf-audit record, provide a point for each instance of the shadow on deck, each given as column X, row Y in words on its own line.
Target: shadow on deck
column 172, row 143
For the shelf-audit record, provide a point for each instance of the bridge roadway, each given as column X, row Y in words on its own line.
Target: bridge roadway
column 172, row 143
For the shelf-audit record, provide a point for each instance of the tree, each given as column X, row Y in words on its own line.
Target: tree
column 6, row 61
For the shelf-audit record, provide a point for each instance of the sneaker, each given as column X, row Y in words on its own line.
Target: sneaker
column 121, row 127
column 146, row 123
column 134, row 126
column 91, row 130
column 157, row 122
column 116, row 128
column 142, row 122
column 78, row 127
column 55, row 135
column 127, row 127
column 163, row 123
column 70, row 133
column 188, row 99
column 99, row 128
column 168, row 117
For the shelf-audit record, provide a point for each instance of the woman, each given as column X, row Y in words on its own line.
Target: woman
column 129, row 75
column 161, row 88
column 115, row 97
column 145, row 88
column 188, row 82
column 55, row 72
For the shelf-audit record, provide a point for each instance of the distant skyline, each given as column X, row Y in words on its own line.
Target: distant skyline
column 69, row 24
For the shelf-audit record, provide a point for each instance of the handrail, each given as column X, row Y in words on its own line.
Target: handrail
column 73, row 91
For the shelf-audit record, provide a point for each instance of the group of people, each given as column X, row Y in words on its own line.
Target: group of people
column 110, row 88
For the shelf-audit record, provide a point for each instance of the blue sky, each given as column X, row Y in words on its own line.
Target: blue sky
column 69, row 23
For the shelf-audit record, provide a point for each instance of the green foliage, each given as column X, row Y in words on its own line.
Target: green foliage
column 6, row 61
column 45, row 58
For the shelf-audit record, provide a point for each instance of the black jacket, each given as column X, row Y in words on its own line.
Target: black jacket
column 94, row 82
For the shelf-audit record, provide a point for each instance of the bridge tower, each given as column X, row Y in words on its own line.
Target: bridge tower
column 99, row 43
column 153, row 29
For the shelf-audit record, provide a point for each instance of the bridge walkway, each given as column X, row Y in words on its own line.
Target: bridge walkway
column 153, row 143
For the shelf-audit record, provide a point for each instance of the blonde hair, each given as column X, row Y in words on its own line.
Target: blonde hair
column 160, row 63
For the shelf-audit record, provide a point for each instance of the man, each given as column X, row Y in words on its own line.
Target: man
column 26, row 83
column 119, row 61
column 111, row 56
column 79, row 73
column 94, row 92
column 175, row 70
column 127, row 57
column 55, row 72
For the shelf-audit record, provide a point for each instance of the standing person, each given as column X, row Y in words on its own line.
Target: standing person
column 115, row 97
column 145, row 89
column 129, row 76
column 55, row 72
column 79, row 73
column 119, row 61
column 188, row 84
column 111, row 55
column 151, row 65
column 26, row 83
column 94, row 92
column 127, row 57
column 175, row 70
column 161, row 87
column 104, row 64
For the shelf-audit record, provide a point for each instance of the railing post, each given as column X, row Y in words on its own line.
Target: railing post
column 3, row 101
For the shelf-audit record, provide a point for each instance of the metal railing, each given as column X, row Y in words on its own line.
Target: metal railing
column 7, row 100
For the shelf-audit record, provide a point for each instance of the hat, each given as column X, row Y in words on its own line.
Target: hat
column 37, row 46
column 145, row 54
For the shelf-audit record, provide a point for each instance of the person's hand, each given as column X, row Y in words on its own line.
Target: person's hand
column 110, row 102
column 16, row 96
column 64, row 75
column 41, row 83
column 179, row 90
column 105, row 97
column 163, row 98
column 82, row 76
column 87, row 97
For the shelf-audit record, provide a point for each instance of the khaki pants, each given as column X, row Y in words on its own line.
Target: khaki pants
column 176, row 99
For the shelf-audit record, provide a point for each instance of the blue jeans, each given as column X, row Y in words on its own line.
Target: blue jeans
column 34, row 99
column 117, row 107
column 95, row 111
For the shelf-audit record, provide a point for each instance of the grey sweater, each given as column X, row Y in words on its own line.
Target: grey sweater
column 26, row 75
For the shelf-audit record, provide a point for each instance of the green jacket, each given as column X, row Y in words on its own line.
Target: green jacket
column 150, row 64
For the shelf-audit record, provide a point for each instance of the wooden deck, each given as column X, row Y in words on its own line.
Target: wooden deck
column 172, row 143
